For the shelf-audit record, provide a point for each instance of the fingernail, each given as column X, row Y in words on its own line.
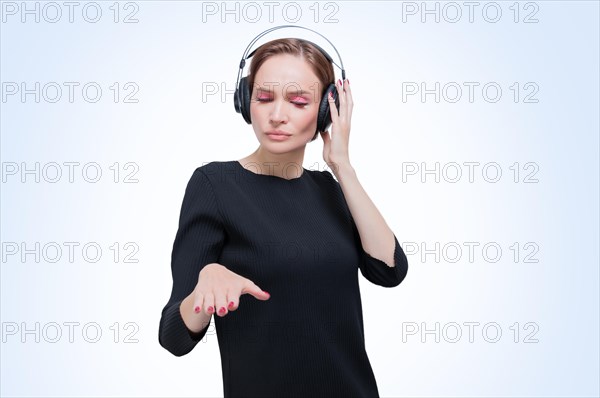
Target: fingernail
column 222, row 310
column 231, row 304
column 197, row 309
column 330, row 94
column 211, row 309
column 266, row 292
column 340, row 82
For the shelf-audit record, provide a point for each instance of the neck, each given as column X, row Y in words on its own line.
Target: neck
column 285, row 165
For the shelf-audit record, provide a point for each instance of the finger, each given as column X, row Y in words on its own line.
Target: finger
column 221, row 304
column 255, row 291
column 333, row 111
column 232, row 301
column 349, row 99
column 198, row 303
column 342, row 97
column 209, row 303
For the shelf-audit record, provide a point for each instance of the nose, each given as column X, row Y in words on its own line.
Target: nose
column 278, row 112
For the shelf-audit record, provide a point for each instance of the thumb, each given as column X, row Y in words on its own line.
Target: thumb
column 256, row 291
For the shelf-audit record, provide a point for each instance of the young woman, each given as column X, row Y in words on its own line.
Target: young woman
column 265, row 222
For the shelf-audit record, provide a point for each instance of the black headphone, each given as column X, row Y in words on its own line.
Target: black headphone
column 241, row 99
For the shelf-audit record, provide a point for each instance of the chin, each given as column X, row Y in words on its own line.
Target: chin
column 278, row 147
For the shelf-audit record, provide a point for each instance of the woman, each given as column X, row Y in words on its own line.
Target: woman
column 266, row 222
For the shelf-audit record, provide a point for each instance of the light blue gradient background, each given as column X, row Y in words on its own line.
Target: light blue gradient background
column 171, row 131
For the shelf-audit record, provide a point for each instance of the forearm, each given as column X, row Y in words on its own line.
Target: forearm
column 376, row 236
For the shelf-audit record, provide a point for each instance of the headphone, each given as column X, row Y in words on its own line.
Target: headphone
column 241, row 99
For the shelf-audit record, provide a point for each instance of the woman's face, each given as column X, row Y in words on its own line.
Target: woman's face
column 285, row 97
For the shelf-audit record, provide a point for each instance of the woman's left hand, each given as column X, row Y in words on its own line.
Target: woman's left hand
column 335, row 148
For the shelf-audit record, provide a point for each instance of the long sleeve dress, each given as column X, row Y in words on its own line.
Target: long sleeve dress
column 297, row 240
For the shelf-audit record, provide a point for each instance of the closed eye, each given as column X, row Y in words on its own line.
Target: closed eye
column 293, row 102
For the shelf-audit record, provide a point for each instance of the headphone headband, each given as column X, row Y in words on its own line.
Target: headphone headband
column 245, row 57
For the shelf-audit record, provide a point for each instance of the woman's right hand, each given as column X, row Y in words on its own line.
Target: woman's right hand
column 219, row 289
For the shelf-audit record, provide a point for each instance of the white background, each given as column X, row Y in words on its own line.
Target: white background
column 546, row 306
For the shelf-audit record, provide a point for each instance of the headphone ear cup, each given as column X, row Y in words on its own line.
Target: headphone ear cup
column 324, row 118
column 236, row 100
column 242, row 99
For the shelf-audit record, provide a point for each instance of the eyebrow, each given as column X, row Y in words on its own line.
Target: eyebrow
column 293, row 91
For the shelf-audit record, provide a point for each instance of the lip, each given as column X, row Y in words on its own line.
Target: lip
column 278, row 137
column 278, row 133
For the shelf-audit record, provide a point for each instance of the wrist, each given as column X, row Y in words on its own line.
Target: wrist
column 342, row 169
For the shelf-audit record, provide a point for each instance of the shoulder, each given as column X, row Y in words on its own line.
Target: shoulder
column 211, row 172
column 326, row 181
column 210, row 168
column 202, row 177
column 324, row 177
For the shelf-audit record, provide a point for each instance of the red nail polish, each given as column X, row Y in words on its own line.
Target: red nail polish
column 222, row 310
column 231, row 304
column 210, row 309
column 340, row 82
column 197, row 309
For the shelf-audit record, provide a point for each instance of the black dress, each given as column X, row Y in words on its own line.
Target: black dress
column 297, row 240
